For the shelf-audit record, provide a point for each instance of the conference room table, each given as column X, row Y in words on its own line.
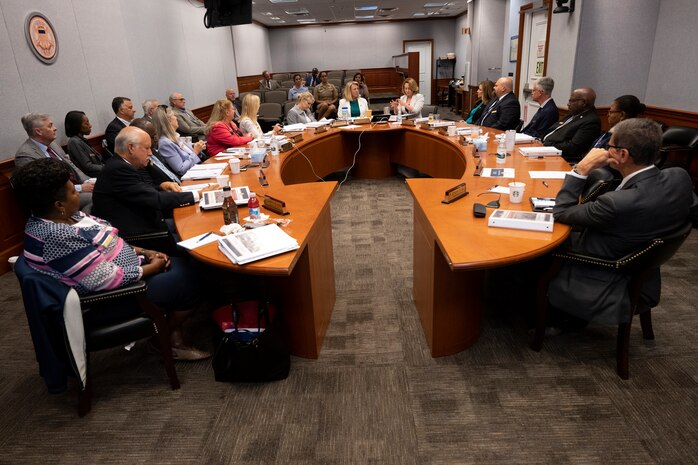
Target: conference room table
column 451, row 249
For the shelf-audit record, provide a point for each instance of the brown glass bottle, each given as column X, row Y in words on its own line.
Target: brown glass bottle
column 230, row 209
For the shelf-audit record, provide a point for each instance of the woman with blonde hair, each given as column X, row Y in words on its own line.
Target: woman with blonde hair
column 357, row 105
column 411, row 101
column 301, row 111
column 248, row 117
column 221, row 130
column 179, row 156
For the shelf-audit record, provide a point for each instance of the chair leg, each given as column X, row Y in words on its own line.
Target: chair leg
column 646, row 324
column 622, row 350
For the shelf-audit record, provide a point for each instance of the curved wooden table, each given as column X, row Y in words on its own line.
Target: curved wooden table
column 451, row 248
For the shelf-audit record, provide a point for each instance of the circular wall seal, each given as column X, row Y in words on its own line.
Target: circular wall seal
column 41, row 37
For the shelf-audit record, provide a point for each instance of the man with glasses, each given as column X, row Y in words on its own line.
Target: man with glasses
column 189, row 124
column 649, row 203
column 577, row 131
column 547, row 114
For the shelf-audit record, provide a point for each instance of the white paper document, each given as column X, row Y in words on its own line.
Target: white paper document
column 547, row 174
column 498, row 173
column 520, row 138
column 294, row 127
column 540, row 152
column 500, row 189
column 195, row 187
column 198, row 241
column 256, row 244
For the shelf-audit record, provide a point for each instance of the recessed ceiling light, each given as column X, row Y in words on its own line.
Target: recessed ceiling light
column 275, row 18
column 391, row 10
column 419, row 13
column 281, row 22
column 434, row 5
column 365, row 8
column 267, row 13
column 364, row 17
column 283, row 1
column 308, row 20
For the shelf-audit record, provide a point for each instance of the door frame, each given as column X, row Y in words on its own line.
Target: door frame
column 431, row 66
column 522, row 17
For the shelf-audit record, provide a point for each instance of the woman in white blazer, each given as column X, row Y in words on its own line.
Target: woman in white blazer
column 411, row 101
column 357, row 105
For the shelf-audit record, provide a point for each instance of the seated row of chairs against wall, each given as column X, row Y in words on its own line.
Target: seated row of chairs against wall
column 336, row 77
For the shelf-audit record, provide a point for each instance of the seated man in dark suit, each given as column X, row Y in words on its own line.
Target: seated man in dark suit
column 42, row 144
column 504, row 111
column 123, row 108
column 547, row 114
column 578, row 130
column 649, row 203
column 125, row 194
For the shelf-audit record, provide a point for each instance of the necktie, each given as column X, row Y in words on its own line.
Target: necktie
column 487, row 111
column 73, row 177
column 155, row 161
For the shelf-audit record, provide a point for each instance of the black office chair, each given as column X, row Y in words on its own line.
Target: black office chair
column 44, row 300
column 599, row 181
column 681, row 140
column 639, row 265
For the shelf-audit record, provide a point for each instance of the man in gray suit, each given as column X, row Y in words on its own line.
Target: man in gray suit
column 649, row 203
column 189, row 124
column 42, row 144
column 267, row 83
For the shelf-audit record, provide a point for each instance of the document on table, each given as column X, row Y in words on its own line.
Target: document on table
column 195, row 187
column 499, row 189
column 198, row 241
column 205, row 171
column 498, row 173
column 294, row 127
column 547, row 174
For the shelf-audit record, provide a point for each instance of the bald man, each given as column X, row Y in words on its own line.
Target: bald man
column 575, row 133
column 504, row 111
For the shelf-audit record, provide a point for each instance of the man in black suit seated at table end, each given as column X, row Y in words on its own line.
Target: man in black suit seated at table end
column 123, row 108
column 578, row 130
column 547, row 114
column 125, row 194
column 649, row 203
column 504, row 111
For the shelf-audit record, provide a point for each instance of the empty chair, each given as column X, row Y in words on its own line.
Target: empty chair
column 679, row 145
column 349, row 74
column 638, row 266
column 269, row 114
column 287, row 106
column 429, row 109
column 280, row 77
column 337, row 83
column 335, row 75
column 276, row 96
column 260, row 94
column 287, row 84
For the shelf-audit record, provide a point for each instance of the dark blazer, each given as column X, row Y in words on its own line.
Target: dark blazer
column 546, row 116
column 504, row 114
column 129, row 199
column 651, row 204
column 111, row 132
column 575, row 136
column 83, row 156
column 602, row 141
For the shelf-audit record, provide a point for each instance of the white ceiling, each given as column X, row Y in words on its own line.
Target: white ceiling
column 280, row 13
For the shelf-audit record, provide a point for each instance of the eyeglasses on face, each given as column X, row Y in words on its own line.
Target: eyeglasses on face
column 575, row 100
column 611, row 146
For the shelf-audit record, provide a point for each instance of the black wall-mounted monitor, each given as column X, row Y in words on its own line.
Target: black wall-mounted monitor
column 227, row 12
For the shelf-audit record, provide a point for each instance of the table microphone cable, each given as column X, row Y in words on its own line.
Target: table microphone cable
column 308, row 159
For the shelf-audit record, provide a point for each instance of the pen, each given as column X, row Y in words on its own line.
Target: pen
column 204, row 237
column 545, row 184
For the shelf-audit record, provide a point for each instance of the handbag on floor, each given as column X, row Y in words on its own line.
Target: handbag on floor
column 251, row 347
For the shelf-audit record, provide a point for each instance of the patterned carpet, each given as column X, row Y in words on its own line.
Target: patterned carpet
column 376, row 396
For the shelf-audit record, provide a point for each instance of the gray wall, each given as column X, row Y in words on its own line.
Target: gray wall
column 354, row 46
column 488, row 39
column 107, row 48
column 673, row 76
column 615, row 45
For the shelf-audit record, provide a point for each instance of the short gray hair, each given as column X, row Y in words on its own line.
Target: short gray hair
column 128, row 135
column 31, row 121
column 146, row 105
column 641, row 137
column 546, row 85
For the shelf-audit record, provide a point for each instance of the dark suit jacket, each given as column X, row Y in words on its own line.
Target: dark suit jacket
column 128, row 198
column 111, row 132
column 652, row 204
column 575, row 137
column 502, row 115
column 545, row 117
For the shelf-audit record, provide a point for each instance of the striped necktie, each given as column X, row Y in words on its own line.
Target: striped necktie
column 156, row 161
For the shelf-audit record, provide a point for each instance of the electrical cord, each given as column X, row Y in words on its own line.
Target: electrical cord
column 308, row 159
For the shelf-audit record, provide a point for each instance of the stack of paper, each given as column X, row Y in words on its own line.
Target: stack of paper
column 205, row 171
column 520, row 138
column 294, row 127
column 540, row 152
column 256, row 244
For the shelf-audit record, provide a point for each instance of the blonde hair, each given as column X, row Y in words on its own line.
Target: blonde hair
column 306, row 97
column 250, row 107
column 347, row 90
column 218, row 113
column 161, row 121
column 412, row 84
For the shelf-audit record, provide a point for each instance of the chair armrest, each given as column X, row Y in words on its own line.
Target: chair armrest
column 620, row 264
column 136, row 288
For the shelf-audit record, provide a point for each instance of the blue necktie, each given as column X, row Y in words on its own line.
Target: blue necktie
column 164, row 169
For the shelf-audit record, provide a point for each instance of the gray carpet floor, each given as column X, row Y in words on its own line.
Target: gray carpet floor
column 376, row 396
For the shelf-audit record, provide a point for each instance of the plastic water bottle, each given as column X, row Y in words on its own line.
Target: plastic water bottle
column 345, row 112
column 274, row 146
column 501, row 152
column 253, row 206
column 230, row 208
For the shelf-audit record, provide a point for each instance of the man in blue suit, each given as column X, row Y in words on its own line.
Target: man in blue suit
column 547, row 114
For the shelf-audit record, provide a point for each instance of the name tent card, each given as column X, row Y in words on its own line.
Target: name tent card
column 455, row 193
column 275, row 205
